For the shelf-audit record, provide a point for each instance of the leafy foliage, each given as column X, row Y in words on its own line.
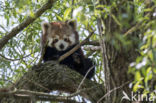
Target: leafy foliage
column 23, row 51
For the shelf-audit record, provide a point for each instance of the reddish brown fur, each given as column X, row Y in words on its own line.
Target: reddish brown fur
column 62, row 28
column 55, row 34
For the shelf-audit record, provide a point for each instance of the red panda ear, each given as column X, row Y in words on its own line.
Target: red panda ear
column 72, row 23
column 45, row 26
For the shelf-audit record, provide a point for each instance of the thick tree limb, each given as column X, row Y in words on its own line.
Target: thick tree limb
column 51, row 76
column 26, row 94
column 25, row 23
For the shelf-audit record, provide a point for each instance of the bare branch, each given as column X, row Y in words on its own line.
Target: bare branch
column 25, row 23
column 93, row 48
column 9, row 59
column 95, row 43
column 72, row 9
column 109, row 92
column 37, row 95
column 84, row 78
column 3, row 28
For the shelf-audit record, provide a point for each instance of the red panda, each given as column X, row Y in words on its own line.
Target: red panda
column 60, row 37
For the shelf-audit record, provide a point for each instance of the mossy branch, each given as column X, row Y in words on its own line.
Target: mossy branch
column 51, row 76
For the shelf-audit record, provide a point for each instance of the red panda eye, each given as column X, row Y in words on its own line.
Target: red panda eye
column 65, row 39
column 55, row 40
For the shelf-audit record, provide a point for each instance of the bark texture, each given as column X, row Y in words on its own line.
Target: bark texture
column 51, row 76
column 116, row 61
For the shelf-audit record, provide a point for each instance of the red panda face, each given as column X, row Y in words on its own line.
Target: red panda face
column 62, row 42
column 60, row 35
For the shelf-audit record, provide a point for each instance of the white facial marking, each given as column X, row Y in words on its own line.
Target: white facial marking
column 50, row 40
column 61, row 42
column 72, row 39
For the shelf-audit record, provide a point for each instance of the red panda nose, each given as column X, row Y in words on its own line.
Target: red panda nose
column 61, row 46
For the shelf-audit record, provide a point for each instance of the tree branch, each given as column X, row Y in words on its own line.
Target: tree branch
column 9, row 59
column 51, row 76
column 37, row 95
column 137, row 26
column 109, row 92
column 95, row 43
column 25, row 23
column 92, row 48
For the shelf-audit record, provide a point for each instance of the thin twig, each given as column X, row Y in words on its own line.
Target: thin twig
column 94, row 42
column 109, row 92
column 132, row 29
column 82, row 90
column 9, row 59
column 75, row 48
column 3, row 28
column 84, row 78
column 72, row 9
column 92, row 48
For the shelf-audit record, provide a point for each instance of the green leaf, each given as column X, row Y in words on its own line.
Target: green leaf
column 138, row 76
column 67, row 13
column 148, row 76
column 59, row 18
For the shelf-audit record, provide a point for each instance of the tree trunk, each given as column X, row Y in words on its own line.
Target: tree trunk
column 115, row 61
